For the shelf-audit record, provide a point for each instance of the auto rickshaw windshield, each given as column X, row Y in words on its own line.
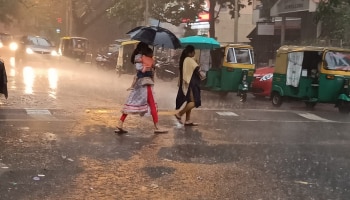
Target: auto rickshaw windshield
column 80, row 44
column 240, row 55
column 339, row 61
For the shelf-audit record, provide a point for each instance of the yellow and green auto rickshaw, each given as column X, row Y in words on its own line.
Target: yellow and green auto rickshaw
column 231, row 70
column 76, row 48
column 124, row 64
column 312, row 74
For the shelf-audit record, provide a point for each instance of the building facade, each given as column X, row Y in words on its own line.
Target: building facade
column 225, row 25
column 290, row 22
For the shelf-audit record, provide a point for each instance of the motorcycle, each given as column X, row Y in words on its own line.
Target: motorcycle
column 166, row 70
column 108, row 61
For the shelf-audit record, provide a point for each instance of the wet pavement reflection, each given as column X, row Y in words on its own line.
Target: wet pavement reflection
column 302, row 154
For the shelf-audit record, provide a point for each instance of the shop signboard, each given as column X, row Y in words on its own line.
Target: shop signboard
column 292, row 6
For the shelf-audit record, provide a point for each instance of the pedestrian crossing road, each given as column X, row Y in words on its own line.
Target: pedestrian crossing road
column 243, row 115
column 10, row 114
column 259, row 115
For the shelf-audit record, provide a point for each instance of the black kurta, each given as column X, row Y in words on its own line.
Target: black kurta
column 3, row 80
column 194, row 87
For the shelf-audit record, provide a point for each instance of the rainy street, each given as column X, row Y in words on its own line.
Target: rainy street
column 57, row 141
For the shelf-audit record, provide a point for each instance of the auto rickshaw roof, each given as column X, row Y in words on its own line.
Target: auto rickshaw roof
column 68, row 37
column 290, row 48
column 130, row 42
column 237, row 45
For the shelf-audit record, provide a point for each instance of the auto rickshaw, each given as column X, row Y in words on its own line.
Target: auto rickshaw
column 313, row 75
column 124, row 64
column 232, row 70
column 76, row 48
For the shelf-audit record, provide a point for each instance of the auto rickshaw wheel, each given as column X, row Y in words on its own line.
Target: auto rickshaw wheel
column 344, row 107
column 276, row 99
column 243, row 97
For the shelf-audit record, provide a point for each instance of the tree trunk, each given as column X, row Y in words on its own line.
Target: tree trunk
column 212, row 18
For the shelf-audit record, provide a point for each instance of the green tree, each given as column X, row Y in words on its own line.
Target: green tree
column 36, row 17
column 44, row 14
column 8, row 10
column 230, row 4
column 335, row 18
column 86, row 12
column 174, row 11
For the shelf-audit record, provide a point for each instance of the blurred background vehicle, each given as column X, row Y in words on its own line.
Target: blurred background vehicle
column 76, row 48
column 262, row 81
column 35, row 49
column 124, row 65
column 166, row 69
column 7, row 41
column 107, row 61
column 114, row 46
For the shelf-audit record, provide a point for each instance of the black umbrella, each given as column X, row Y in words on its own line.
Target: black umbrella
column 156, row 36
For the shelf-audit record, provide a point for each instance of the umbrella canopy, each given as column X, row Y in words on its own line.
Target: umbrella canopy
column 156, row 36
column 200, row 42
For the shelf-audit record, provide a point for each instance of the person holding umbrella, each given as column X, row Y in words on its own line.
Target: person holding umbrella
column 189, row 85
column 140, row 99
column 3, row 79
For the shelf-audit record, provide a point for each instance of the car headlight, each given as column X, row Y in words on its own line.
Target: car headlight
column 29, row 51
column 54, row 53
column 13, row 46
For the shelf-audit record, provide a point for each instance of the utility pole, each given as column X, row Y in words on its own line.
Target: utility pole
column 68, row 31
column 236, row 23
column 146, row 13
column 283, row 30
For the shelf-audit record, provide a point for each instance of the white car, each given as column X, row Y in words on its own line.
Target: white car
column 35, row 49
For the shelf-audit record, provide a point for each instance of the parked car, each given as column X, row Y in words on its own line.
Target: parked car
column 35, row 49
column 262, row 81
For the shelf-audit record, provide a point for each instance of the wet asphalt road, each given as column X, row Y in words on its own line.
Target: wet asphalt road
column 57, row 142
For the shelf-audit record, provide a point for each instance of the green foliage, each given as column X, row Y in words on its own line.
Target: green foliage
column 86, row 12
column 127, row 10
column 335, row 18
column 231, row 5
column 170, row 11
column 176, row 11
column 8, row 9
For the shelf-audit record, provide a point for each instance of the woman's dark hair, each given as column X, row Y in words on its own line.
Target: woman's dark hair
column 147, row 51
column 188, row 49
column 139, row 48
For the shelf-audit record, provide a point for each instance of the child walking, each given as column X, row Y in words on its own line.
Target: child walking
column 143, row 63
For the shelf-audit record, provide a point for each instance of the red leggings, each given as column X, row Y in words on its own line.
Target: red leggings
column 152, row 105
